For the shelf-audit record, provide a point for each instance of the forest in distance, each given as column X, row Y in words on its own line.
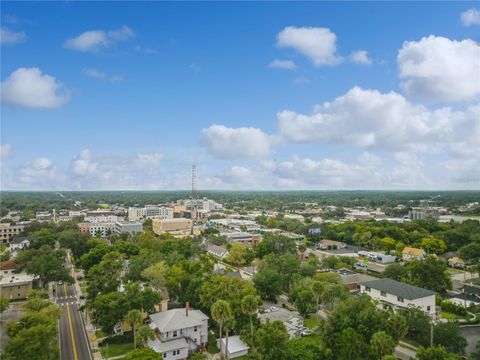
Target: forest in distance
column 240, row 200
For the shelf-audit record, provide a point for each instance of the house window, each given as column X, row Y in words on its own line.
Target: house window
column 175, row 333
column 400, row 299
column 195, row 329
column 383, row 293
column 164, row 355
column 428, row 308
column 367, row 288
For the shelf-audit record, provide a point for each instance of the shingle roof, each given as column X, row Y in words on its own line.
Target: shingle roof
column 413, row 251
column 175, row 319
column 398, row 288
column 166, row 346
column 18, row 240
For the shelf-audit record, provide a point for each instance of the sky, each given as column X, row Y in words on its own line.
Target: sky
column 258, row 95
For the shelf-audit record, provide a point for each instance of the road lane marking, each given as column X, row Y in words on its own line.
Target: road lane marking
column 71, row 333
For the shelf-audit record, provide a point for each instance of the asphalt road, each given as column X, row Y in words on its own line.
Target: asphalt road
column 72, row 336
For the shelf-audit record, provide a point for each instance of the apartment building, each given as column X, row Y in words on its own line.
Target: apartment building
column 150, row 212
column 128, row 227
column 100, row 216
column 178, row 225
column 399, row 294
column 7, row 232
column 15, row 286
column 179, row 332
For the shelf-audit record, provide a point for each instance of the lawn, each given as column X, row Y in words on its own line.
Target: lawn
column 449, row 315
column 116, row 349
column 312, row 322
column 212, row 344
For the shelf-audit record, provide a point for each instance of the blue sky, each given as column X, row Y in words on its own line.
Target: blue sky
column 343, row 95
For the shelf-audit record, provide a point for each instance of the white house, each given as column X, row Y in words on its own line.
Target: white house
column 19, row 243
column 236, row 347
column 219, row 252
column 411, row 253
column 399, row 294
column 179, row 332
column 292, row 320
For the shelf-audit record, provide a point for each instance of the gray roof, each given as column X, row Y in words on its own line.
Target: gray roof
column 398, row 288
column 235, row 344
column 19, row 240
column 166, row 346
column 175, row 319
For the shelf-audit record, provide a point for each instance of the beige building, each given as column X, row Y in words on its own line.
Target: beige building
column 173, row 226
column 15, row 286
column 7, row 232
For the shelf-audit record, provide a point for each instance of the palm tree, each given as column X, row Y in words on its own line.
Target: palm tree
column 222, row 314
column 144, row 333
column 134, row 318
column 250, row 307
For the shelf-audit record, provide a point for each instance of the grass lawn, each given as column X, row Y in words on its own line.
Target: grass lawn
column 212, row 344
column 312, row 322
column 116, row 349
column 449, row 316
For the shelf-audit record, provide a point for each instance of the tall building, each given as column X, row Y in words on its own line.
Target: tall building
column 100, row 216
column 149, row 212
column 7, row 232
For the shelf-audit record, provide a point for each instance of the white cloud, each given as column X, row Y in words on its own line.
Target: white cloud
column 195, row 67
column 5, row 150
column 40, row 173
column 440, row 70
column 11, row 37
column 282, row 64
column 99, row 75
column 145, row 50
column 96, row 40
column 470, row 17
column 368, row 118
column 318, row 44
column 28, row 87
column 360, row 57
column 236, row 143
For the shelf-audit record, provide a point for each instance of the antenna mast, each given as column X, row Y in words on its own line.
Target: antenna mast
column 194, row 182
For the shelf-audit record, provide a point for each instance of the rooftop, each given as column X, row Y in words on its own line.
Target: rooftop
column 16, row 279
column 166, row 346
column 413, row 251
column 175, row 319
column 235, row 344
column 398, row 288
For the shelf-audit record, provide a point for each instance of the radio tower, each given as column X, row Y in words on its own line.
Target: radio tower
column 194, row 180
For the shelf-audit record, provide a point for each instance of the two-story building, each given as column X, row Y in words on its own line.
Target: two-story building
column 411, row 253
column 399, row 294
column 179, row 332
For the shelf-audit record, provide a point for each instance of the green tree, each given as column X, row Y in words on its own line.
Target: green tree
column 268, row 282
column 108, row 309
column 395, row 271
column 4, row 303
column 382, row 344
column 433, row 245
column 272, row 339
column 222, row 314
column 435, row 353
column 144, row 333
column 448, row 335
column 237, row 254
column 46, row 263
column 418, row 323
column 250, row 305
column 143, row 354
column 430, row 273
column 37, row 342
column 156, row 274
column 134, row 317
column 350, row 346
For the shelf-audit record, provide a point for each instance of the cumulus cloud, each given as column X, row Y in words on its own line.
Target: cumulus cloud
column 236, row 143
column 96, row 40
column 470, row 17
column 28, row 87
column 40, row 173
column 12, row 37
column 318, row 44
column 282, row 64
column 5, row 150
column 99, row 75
column 361, row 57
column 369, row 118
column 440, row 70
